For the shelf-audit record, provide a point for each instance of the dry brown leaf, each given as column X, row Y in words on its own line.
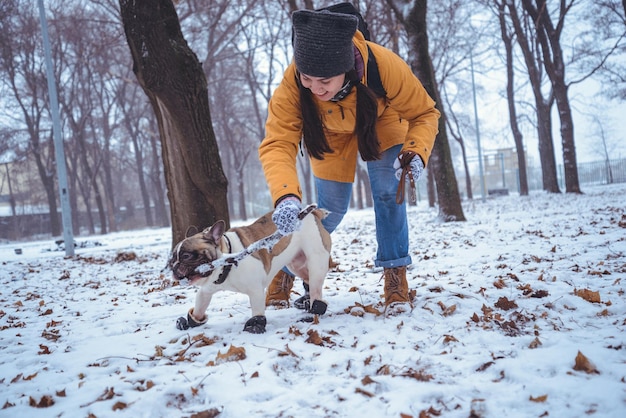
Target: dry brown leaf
column 419, row 375
column 209, row 413
column 7, row 405
column 525, row 288
column 485, row 366
column 45, row 402
column 51, row 335
column 295, row 331
column 445, row 309
column 125, row 256
column 605, row 312
column 287, row 352
column 534, row 343
column 108, row 394
column 540, row 294
column 364, row 392
column 233, row 354
column 61, row 393
column 582, row 364
column 539, row 399
column 505, row 304
column 366, row 308
column 202, row 340
column 119, row 406
column 431, row 412
column 384, row 370
column 314, row 338
column 487, row 311
column 44, row 349
column 588, row 295
column 367, row 380
column 31, row 377
column 149, row 385
column 451, row 309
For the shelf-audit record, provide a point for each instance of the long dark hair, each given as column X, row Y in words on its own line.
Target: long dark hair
column 366, row 116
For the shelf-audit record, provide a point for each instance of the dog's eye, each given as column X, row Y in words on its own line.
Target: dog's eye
column 187, row 256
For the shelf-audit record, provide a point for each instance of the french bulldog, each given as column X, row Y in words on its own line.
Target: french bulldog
column 306, row 253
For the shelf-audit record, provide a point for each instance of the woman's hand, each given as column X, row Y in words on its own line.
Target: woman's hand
column 409, row 163
column 285, row 215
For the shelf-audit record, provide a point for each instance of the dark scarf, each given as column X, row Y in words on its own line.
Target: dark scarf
column 359, row 66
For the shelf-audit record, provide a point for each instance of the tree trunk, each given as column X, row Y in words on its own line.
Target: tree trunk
column 172, row 77
column 47, row 179
column 510, row 94
column 450, row 208
column 451, row 123
column 543, row 106
column 109, row 189
column 570, row 165
column 430, row 185
column 141, row 178
column 160, row 211
column 549, row 39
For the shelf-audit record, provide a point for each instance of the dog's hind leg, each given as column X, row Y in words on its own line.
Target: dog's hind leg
column 256, row 324
column 316, row 274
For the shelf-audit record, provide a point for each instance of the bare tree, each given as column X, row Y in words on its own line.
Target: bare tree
column 543, row 105
column 454, row 128
column 507, row 39
column 549, row 36
column 414, row 21
column 136, row 124
column 600, row 47
column 24, row 79
column 172, row 77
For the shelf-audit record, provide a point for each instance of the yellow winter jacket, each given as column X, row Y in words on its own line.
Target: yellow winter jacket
column 407, row 115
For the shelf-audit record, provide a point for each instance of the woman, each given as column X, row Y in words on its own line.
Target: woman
column 324, row 101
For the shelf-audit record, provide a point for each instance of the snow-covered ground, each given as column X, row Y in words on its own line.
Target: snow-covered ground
column 518, row 312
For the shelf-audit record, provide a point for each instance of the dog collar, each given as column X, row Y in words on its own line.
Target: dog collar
column 228, row 244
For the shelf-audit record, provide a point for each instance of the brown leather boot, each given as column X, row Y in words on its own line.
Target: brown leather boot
column 396, row 286
column 279, row 290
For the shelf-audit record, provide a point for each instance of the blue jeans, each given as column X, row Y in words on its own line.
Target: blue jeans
column 392, row 231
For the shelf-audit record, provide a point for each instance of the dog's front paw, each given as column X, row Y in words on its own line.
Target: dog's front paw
column 318, row 307
column 190, row 322
column 256, row 325
column 182, row 324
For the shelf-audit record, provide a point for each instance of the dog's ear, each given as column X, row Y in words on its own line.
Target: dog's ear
column 192, row 230
column 215, row 232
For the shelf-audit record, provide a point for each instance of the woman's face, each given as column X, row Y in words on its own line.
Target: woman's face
column 323, row 88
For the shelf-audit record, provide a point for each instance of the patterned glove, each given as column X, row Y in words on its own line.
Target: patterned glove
column 416, row 164
column 285, row 215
